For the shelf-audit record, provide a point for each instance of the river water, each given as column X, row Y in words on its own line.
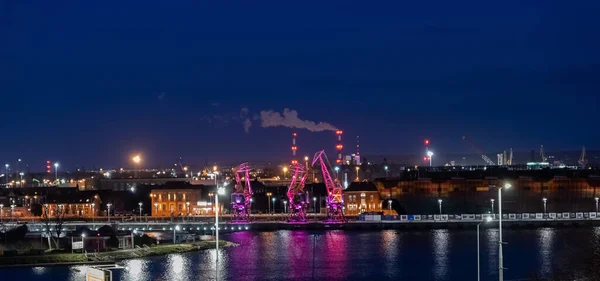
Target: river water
column 440, row 254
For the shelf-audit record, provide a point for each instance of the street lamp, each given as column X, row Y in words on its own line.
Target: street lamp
column 336, row 169
column 55, row 171
column 108, row 211
column 596, row 203
column 430, row 154
column 390, row 206
column 220, row 191
column 136, row 160
column 500, row 256
column 175, row 229
column 385, row 168
column 357, row 178
column 544, row 200
column 492, row 200
column 140, row 204
column 315, row 204
column 268, row 200
column 6, row 174
column 285, row 169
column 440, row 205
column 273, row 199
column 488, row 219
column 285, row 206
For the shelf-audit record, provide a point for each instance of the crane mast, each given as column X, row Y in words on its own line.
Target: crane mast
column 296, row 195
column 334, row 201
column 241, row 202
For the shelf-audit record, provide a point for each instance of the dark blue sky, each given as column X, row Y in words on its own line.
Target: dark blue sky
column 92, row 82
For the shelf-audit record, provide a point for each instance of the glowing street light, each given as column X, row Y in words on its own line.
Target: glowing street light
column 390, row 206
column 269, row 194
column 440, row 204
column 500, row 255
column 430, row 154
column 492, row 200
column 285, row 206
column 596, row 203
column 336, row 169
column 357, row 178
column 315, row 204
column 285, row 169
column 140, row 204
column 385, row 168
column 544, row 200
column 108, row 211
column 55, row 171
column 136, row 160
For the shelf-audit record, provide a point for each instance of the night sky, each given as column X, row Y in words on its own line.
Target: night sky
column 93, row 82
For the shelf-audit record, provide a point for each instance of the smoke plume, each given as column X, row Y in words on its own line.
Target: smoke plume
column 290, row 119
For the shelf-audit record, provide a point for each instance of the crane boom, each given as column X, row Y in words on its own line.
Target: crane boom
column 334, row 199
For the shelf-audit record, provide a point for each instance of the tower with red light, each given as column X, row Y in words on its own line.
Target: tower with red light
column 426, row 158
column 294, row 148
column 339, row 146
column 48, row 167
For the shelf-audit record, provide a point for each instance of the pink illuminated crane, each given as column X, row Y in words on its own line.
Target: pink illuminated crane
column 296, row 195
column 335, row 201
column 241, row 198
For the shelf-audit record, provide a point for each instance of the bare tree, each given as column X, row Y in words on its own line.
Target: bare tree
column 53, row 219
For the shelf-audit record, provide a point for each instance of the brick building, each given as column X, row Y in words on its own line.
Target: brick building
column 361, row 197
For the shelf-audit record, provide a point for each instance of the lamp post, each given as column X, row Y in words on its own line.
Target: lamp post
column 385, row 168
column 315, row 204
column 140, row 204
column 93, row 213
column 136, row 161
column 390, row 206
column 175, row 229
column 108, row 211
column 285, row 169
column 6, row 174
column 12, row 211
column 220, row 191
column 488, row 219
column 337, row 170
column 269, row 200
column 492, row 200
column 357, row 178
column 500, row 242
column 273, row 199
column 596, row 203
column 284, row 206
column 440, row 205
column 544, row 200
column 430, row 154
column 55, row 171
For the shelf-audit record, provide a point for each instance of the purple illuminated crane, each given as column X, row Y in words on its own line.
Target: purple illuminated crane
column 296, row 194
column 335, row 201
column 241, row 198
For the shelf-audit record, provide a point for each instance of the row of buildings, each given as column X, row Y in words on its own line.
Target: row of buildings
column 458, row 192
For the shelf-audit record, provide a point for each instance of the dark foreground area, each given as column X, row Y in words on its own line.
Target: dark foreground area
column 438, row 254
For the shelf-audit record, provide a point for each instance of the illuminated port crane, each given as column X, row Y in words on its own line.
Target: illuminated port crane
column 241, row 197
column 296, row 195
column 335, row 202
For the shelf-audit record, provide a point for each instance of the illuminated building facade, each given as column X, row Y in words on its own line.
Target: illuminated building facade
column 361, row 197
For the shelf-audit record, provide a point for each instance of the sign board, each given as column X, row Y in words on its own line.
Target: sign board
column 77, row 245
column 417, row 217
column 525, row 216
column 593, row 215
column 539, row 216
column 512, row 216
column 552, row 215
column 403, row 217
column 436, row 217
column 579, row 215
column 95, row 274
column 565, row 215
column 444, row 217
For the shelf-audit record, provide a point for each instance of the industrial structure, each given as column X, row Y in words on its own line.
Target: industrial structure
column 296, row 195
column 241, row 202
column 334, row 199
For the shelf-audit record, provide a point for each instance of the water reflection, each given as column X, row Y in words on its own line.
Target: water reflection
column 135, row 270
column 546, row 244
column 441, row 241
column 492, row 237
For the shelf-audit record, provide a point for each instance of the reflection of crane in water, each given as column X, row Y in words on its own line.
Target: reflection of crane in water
column 296, row 194
column 241, row 198
column 335, row 202
column 479, row 151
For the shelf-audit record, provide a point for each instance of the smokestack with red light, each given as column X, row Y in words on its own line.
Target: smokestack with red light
column 426, row 150
column 48, row 168
column 294, row 148
column 338, row 146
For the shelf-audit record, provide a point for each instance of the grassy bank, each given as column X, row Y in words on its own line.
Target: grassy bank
column 112, row 256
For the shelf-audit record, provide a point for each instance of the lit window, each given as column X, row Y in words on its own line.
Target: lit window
column 362, row 195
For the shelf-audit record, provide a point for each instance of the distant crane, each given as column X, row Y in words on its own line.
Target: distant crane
column 582, row 161
column 542, row 155
column 479, row 151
